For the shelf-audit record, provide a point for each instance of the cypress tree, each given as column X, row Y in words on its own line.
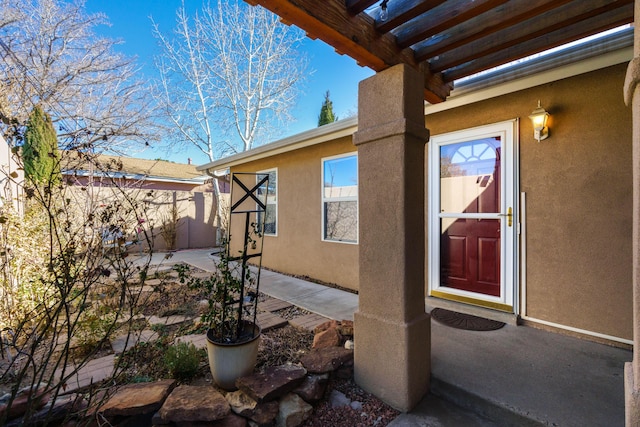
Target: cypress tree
column 40, row 149
column 326, row 112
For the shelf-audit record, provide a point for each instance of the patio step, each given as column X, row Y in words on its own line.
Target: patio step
column 483, row 406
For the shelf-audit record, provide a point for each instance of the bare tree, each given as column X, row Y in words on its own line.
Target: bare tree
column 51, row 56
column 229, row 76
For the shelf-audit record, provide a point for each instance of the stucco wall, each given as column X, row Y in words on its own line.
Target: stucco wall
column 11, row 177
column 298, row 248
column 195, row 226
column 578, row 188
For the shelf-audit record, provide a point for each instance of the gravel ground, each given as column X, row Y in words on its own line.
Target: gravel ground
column 365, row 409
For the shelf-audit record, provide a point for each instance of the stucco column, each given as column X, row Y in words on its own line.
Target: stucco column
column 632, row 99
column 392, row 330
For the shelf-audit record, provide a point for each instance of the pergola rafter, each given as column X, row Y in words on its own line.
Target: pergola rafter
column 448, row 39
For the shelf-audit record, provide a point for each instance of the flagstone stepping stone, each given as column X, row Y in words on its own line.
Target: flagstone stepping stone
column 137, row 399
column 274, row 304
column 94, row 371
column 133, row 318
column 308, row 321
column 153, row 282
column 168, row 320
column 142, row 289
column 268, row 321
column 121, row 344
column 200, row 274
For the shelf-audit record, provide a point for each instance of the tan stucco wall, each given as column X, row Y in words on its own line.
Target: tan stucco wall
column 195, row 227
column 578, row 186
column 298, row 248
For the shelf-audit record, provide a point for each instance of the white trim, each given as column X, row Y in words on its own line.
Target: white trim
column 324, row 199
column 267, row 171
column 335, row 130
column 136, row 177
column 523, row 254
column 508, row 131
column 578, row 330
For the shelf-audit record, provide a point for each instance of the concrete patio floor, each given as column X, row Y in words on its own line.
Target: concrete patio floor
column 516, row 375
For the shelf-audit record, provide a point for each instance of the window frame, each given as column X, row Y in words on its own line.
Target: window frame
column 268, row 171
column 324, row 200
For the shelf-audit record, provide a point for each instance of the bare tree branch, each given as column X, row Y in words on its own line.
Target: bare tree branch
column 50, row 55
column 229, row 76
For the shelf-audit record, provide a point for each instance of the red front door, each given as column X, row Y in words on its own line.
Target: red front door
column 470, row 189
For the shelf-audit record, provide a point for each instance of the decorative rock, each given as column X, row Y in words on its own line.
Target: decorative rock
column 345, row 371
column 187, row 404
column 338, row 399
column 231, row 420
column 136, row 399
column 240, row 403
column 24, row 400
column 293, row 411
column 272, row 383
column 346, row 328
column 349, row 345
column 330, row 324
column 313, row 387
column 264, row 414
column 323, row 360
column 202, row 306
column 59, row 409
column 329, row 338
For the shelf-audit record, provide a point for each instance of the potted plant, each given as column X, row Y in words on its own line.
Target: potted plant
column 233, row 335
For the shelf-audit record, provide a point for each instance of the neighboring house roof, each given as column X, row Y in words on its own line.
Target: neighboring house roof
column 133, row 168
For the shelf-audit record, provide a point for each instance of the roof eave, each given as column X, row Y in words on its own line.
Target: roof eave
column 308, row 138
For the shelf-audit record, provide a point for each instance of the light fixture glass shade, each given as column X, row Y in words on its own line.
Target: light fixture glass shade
column 539, row 118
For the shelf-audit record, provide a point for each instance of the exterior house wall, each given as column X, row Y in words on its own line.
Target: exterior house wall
column 298, row 247
column 578, row 186
column 195, row 227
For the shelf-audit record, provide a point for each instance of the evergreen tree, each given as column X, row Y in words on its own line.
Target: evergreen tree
column 326, row 112
column 40, row 149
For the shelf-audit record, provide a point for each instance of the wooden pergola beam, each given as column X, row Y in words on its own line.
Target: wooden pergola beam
column 400, row 13
column 355, row 36
column 538, row 42
column 447, row 16
column 509, row 14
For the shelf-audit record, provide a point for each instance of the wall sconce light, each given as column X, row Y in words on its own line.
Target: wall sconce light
column 539, row 119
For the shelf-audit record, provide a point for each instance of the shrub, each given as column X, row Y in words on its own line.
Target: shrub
column 183, row 360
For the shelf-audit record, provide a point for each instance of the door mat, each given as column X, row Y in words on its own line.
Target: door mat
column 464, row 321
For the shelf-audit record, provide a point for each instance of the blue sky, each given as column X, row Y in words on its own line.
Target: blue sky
column 331, row 71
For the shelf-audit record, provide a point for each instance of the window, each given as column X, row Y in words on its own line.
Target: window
column 271, row 214
column 340, row 198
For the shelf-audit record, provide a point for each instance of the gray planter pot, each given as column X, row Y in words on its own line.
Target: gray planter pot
column 230, row 361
